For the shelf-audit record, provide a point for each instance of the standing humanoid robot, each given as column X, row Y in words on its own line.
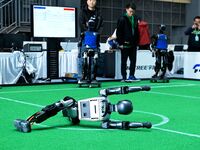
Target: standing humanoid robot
column 159, row 46
column 89, row 51
column 91, row 109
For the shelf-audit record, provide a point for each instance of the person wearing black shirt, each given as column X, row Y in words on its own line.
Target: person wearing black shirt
column 194, row 35
column 88, row 11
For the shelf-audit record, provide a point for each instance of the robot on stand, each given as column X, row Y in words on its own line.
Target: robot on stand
column 89, row 51
column 91, row 109
column 159, row 50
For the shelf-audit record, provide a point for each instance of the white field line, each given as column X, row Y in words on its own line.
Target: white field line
column 20, row 102
column 47, row 90
column 177, row 132
column 165, row 119
column 176, row 95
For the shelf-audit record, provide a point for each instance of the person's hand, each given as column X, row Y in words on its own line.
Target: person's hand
column 195, row 26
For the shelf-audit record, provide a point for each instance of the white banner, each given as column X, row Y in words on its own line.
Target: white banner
column 192, row 65
column 144, row 65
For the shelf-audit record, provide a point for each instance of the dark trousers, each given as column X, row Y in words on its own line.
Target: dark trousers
column 130, row 53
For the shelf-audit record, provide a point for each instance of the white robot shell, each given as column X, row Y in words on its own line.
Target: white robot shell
column 93, row 109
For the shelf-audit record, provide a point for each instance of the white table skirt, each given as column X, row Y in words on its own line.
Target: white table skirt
column 11, row 65
column 68, row 63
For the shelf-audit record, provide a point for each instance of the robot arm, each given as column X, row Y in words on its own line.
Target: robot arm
column 44, row 114
column 123, row 107
column 123, row 90
column 125, row 125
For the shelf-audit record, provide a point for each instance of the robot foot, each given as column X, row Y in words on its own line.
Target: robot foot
column 22, row 125
column 94, row 82
column 82, row 81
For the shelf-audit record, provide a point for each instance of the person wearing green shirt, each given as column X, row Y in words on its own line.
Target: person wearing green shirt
column 127, row 37
column 194, row 35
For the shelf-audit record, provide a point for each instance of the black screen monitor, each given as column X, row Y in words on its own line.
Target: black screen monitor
column 53, row 21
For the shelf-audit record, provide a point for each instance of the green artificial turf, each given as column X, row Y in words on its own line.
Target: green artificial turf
column 173, row 108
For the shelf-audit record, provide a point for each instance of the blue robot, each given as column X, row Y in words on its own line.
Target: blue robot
column 90, row 109
column 159, row 46
column 89, row 47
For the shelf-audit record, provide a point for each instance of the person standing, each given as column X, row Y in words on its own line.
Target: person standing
column 194, row 35
column 127, row 37
column 88, row 11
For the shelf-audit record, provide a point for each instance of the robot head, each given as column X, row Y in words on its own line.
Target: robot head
column 124, row 107
column 162, row 28
column 92, row 24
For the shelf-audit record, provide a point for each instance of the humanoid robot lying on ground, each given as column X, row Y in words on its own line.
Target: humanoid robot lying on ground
column 91, row 109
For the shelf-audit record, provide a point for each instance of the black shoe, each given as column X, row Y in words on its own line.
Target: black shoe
column 132, row 78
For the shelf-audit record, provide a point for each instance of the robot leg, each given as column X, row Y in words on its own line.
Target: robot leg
column 164, row 66
column 44, row 114
column 95, row 66
column 91, row 64
column 157, row 65
column 125, row 125
column 85, row 66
